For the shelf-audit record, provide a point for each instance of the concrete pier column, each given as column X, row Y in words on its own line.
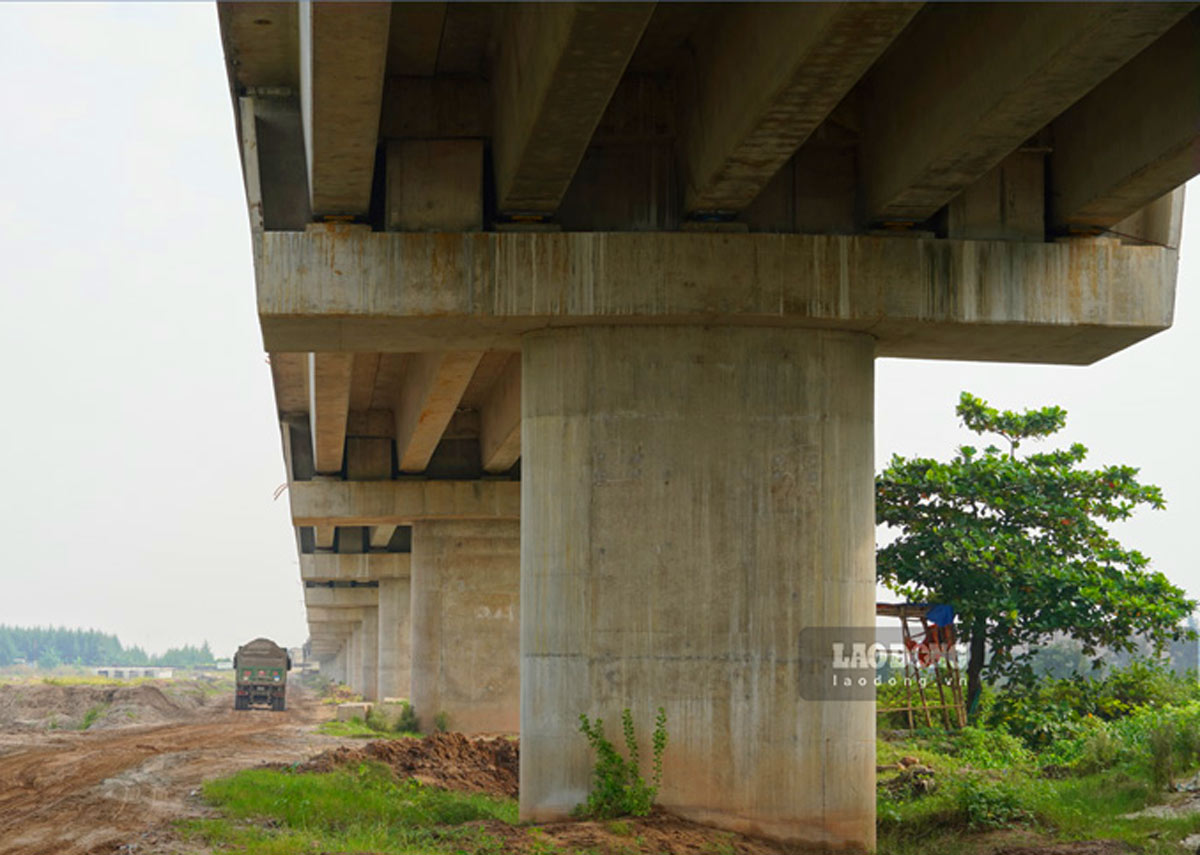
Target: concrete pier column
column 369, row 638
column 395, row 634
column 692, row 499
column 466, row 624
column 354, row 659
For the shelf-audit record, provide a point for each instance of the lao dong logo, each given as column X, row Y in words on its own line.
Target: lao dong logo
column 849, row 663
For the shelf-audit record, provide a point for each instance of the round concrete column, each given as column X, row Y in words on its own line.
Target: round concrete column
column 692, row 499
column 369, row 645
column 395, row 631
column 465, row 624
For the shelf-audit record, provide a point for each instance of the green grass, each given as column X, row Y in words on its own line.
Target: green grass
column 979, row 797
column 356, row 728
column 92, row 680
column 92, row 715
column 268, row 812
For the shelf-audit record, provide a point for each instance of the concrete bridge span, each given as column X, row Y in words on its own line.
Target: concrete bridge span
column 572, row 310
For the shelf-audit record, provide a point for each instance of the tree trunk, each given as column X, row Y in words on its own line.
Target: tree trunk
column 975, row 665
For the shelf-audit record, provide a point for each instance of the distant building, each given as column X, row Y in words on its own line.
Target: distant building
column 134, row 672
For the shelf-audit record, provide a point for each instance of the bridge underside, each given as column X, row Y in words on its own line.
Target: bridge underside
column 572, row 311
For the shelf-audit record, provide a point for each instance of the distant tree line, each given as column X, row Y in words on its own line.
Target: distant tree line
column 53, row 646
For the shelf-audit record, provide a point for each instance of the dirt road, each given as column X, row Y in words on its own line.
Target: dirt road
column 77, row 793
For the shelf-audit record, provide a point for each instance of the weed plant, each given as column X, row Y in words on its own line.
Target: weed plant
column 618, row 788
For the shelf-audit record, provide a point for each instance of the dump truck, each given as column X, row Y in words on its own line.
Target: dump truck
column 261, row 667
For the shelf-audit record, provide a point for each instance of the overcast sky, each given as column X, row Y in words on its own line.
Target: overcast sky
column 140, row 451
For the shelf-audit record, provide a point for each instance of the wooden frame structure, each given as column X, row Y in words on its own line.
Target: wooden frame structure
column 941, row 665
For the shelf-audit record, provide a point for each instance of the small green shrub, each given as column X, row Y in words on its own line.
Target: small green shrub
column 991, row 749
column 407, row 721
column 990, row 804
column 441, row 722
column 92, row 715
column 618, row 788
column 1054, row 711
column 376, row 720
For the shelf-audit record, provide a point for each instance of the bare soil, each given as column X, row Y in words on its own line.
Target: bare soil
column 74, row 793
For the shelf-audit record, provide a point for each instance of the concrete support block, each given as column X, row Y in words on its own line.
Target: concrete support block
column 351, row 711
column 692, row 499
column 435, row 185
column 1007, row 203
column 370, row 654
column 395, row 638
column 466, row 624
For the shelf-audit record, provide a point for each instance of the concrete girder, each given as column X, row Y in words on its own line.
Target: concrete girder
column 343, row 56
column 1132, row 139
column 333, row 633
column 339, row 598
column 555, row 71
column 325, row 614
column 1159, row 223
column 500, row 420
column 381, row 535
column 273, row 161
column 763, row 77
column 329, row 407
column 324, row 536
column 289, row 376
column 1072, row 302
column 433, row 385
column 367, row 567
column 401, row 502
column 261, row 42
column 970, row 83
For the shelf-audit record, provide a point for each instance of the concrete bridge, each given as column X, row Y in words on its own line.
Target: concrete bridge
column 572, row 312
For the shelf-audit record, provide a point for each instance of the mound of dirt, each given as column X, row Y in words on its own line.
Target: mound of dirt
column 481, row 764
column 39, row 706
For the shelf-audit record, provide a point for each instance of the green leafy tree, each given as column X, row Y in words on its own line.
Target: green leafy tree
column 1018, row 545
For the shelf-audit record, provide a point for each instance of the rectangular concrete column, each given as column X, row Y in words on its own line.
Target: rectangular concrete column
column 370, row 653
column 692, row 499
column 466, row 624
column 395, row 638
column 354, row 659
